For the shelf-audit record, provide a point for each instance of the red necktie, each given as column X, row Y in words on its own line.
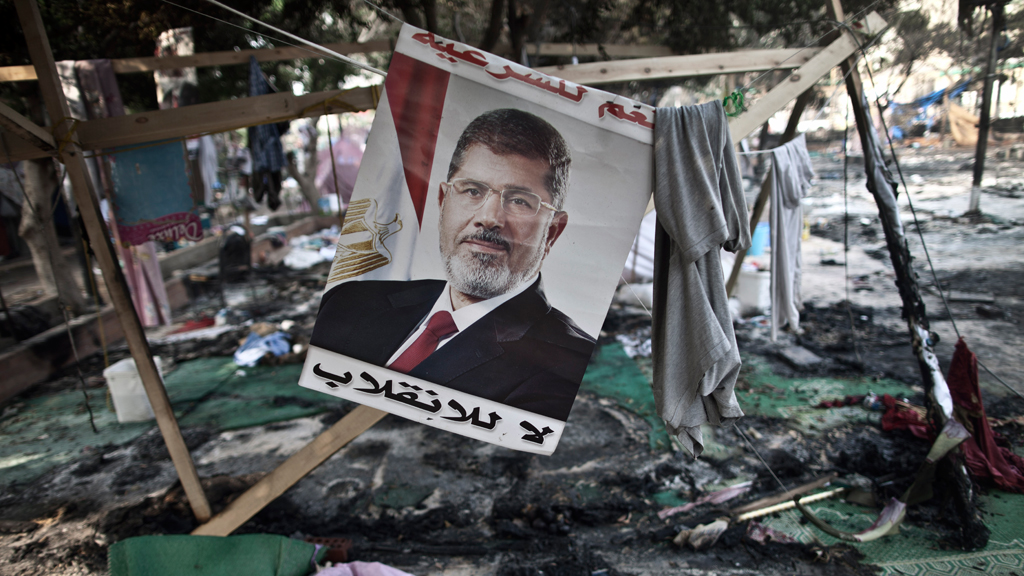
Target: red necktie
column 440, row 325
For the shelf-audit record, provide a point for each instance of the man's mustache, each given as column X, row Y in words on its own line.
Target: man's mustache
column 490, row 236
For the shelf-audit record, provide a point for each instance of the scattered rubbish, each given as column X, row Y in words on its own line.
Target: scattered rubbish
column 760, row 504
column 800, row 357
column 854, row 400
column 960, row 296
column 307, row 251
column 256, row 347
column 762, row 534
column 361, row 569
column 901, row 415
column 717, row 497
column 705, row 535
column 127, row 392
column 989, row 312
column 781, row 506
column 888, row 522
column 189, row 326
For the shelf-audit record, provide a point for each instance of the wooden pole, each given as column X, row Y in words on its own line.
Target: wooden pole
column 882, row 186
column 71, row 155
column 291, row 471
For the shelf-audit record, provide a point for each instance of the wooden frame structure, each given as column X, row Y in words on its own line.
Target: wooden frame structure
column 69, row 140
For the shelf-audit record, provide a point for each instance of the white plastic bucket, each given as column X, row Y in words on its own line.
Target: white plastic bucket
column 130, row 400
column 754, row 291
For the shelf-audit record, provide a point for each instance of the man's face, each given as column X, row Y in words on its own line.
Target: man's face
column 486, row 251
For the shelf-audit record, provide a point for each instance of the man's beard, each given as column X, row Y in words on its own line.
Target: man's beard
column 482, row 275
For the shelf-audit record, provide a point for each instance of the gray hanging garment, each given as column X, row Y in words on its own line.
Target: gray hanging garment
column 788, row 182
column 701, row 209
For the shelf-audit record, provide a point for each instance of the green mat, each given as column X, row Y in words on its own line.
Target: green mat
column 763, row 393
column 613, row 374
column 916, row 551
column 44, row 432
column 180, row 555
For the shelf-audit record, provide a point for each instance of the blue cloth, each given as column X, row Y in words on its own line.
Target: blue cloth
column 255, row 347
column 264, row 140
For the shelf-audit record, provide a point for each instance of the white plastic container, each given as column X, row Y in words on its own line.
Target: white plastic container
column 130, row 400
column 754, row 291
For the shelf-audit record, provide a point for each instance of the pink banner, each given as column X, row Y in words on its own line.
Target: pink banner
column 180, row 226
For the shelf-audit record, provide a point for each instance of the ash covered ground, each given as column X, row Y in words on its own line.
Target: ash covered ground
column 429, row 502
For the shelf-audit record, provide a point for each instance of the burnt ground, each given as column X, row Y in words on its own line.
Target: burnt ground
column 433, row 503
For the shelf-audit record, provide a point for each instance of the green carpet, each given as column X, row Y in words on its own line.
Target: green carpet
column 181, row 555
column 917, row 551
column 763, row 393
column 613, row 374
column 41, row 433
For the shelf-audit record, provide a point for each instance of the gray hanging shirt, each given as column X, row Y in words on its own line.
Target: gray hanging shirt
column 701, row 209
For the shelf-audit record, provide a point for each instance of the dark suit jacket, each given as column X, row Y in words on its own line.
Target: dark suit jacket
column 524, row 353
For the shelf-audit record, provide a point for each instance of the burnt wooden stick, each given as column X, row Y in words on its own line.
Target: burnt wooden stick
column 883, row 187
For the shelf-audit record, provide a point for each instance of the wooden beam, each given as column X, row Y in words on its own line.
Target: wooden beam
column 205, row 59
column 291, row 471
column 117, row 288
column 593, row 73
column 801, row 79
column 594, row 50
column 211, row 117
column 26, row 129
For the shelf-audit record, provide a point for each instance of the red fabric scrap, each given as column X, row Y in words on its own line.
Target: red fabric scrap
column 897, row 417
column 847, row 401
column 191, row 325
column 985, row 459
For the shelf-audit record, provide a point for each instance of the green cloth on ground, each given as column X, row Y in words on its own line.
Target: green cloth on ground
column 614, row 375
column 48, row 431
column 916, row 550
column 763, row 393
column 180, row 555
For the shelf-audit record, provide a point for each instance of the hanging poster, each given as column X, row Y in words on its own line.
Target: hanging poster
column 491, row 216
column 152, row 195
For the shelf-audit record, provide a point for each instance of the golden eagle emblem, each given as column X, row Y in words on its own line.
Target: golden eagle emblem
column 361, row 246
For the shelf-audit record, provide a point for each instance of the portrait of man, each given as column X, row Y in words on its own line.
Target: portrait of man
column 487, row 328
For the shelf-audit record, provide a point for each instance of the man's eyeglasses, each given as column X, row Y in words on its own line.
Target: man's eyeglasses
column 473, row 194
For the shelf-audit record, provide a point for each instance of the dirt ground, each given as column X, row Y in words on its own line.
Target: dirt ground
column 429, row 502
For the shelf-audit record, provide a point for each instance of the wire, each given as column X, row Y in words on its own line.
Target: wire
column 920, row 233
column 837, row 25
column 56, row 284
column 328, row 51
column 846, row 236
column 243, row 28
column 383, row 11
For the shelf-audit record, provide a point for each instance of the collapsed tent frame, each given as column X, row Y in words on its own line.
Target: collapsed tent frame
column 70, row 139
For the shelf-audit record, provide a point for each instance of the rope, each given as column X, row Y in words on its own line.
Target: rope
column 60, row 297
column 68, row 136
column 846, row 237
column 313, row 45
column 383, row 11
column 334, row 170
column 924, row 245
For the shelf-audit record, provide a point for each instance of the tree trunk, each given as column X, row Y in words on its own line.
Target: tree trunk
column 494, row 26
column 307, row 178
column 38, row 231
